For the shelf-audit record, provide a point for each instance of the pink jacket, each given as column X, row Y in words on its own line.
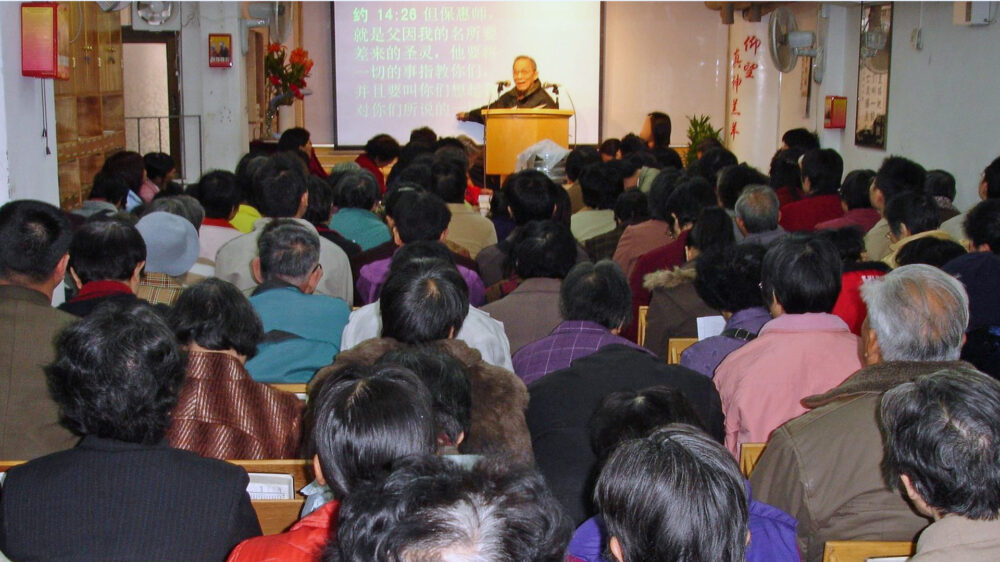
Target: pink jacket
column 795, row 355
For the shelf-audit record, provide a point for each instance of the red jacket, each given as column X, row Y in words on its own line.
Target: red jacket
column 306, row 540
column 806, row 213
column 665, row 257
column 850, row 308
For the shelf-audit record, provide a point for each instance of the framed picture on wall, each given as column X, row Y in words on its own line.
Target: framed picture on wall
column 220, row 50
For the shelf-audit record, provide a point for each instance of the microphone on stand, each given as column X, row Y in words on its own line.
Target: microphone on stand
column 501, row 84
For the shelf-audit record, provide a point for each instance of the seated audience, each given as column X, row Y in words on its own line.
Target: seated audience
column 610, row 149
column 297, row 139
column 380, row 151
column 989, row 188
column 941, row 186
column 563, row 401
column 910, row 217
column 357, row 198
column 650, row 234
column 320, row 209
column 222, row 412
column 942, row 449
column 850, row 244
column 821, row 174
column 106, row 259
column 578, row 159
column 727, row 279
column 730, row 185
column 301, row 329
column 675, row 306
column 418, row 217
column 896, row 175
column 601, row 186
column 930, row 251
column 681, row 210
column 428, row 302
column 856, row 203
column 634, row 415
column 428, row 509
column 786, row 177
column 543, row 254
column 121, row 493
column 823, row 467
column 171, row 251
column 363, row 418
column 804, row 350
column 479, row 331
column 449, row 178
column 756, row 214
column 675, row 495
column 631, row 208
column 129, row 166
column 219, row 195
column 160, row 170
column 594, row 304
column 281, row 188
column 246, row 170
column 801, row 138
column 34, row 244
column 711, row 162
column 107, row 196
column 182, row 205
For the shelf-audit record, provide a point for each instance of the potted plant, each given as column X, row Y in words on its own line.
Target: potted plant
column 286, row 79
column 699, row 129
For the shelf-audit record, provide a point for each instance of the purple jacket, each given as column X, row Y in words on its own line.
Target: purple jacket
column 706, row 355
column 569, row 341
column 373, row 276
column 772, row 536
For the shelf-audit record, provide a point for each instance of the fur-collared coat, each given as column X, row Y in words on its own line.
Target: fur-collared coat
column 674, row 307
column 499, row 398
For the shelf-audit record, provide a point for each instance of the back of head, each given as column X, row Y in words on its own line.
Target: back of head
column 631, row 207
column 634, row 414
column 802, row 273
column 579, row 158
column 293, row 139
column 800, row 138
column 733, row 179
column 667, row 157
column 661, row 188
column 918, row 313
column 448, row 383
column 107, row 249
column 849, row 242
column 219, row 194
column 429, row 509
column 609, row 148
column 110, row 187
column 34, row 236
column 632, row 143
column 712, row 161
column 596, row 293
column 823, row 168
column 728, row 278
column 321, row 201
column 917, row 211
column 675, row 495
column 246, row 170
column 288, row 251
column 713, row 229
column 449, row 175
column 116, row 374
column 660, row 127
column 382, row 149
column 600, row 185
column 408, row 154
column 930, row 251
column 217, row 316
column 544, row 249
column 991, row 176
column 420, row 216
column 531, row 196
column 417, row 173
column 940, row 183
column 940, row 432
column 279, row 185
column 758, row 208
column 854, row 190
column 899, row 175
column 363, row 418
column 184, row 206
column 982, row 225
column 424, row 135
column 127, row 164
column 784, row 171
column 425, row 301
column 158, row 165
column 688, row 199
column 357, row 190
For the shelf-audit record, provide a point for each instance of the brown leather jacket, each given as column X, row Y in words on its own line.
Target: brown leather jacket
column 823, row 466
column 499, row 398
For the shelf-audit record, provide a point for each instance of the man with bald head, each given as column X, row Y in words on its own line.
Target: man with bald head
column 527, row 92
column 823, row 467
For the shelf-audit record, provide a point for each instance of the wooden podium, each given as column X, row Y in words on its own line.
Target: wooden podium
column 510, row 131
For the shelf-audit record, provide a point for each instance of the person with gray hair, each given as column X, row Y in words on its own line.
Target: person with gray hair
column 357, row 195
column 594, row 302
column 302, row 330
column 823, row 467
column 942, row 449
column 757, row 214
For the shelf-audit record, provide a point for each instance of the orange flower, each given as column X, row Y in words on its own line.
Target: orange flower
column 309, row 65
column 274, row 48
column 298, row 56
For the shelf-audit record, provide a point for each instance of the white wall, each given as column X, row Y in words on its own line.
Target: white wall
column 26, row 172
column 219, row 95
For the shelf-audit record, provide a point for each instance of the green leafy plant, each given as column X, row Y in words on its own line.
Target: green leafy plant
column 699, row 129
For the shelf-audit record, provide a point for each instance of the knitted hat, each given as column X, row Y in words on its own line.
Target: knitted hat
column 171, row 243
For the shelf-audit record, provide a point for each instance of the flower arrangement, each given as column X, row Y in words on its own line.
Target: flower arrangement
column 287, row 80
